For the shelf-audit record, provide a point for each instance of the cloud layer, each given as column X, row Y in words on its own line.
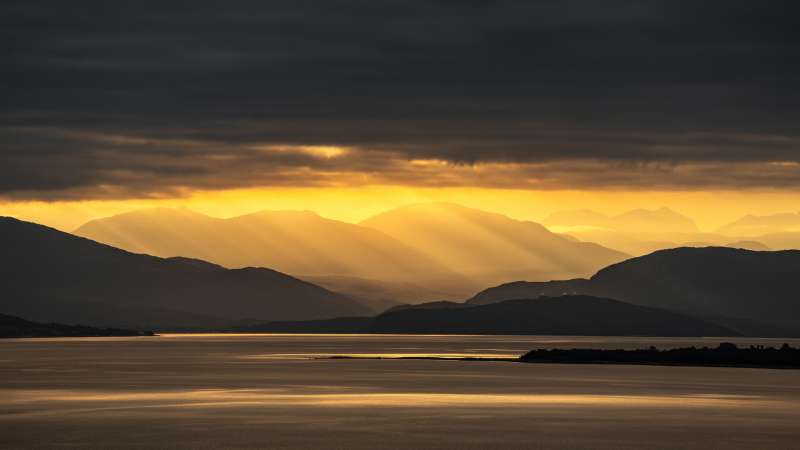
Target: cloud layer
column 147, row 99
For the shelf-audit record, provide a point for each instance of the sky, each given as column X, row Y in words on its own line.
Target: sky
column 352, row 107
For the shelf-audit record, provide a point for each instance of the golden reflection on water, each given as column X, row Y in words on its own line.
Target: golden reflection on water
column 255, row 397
column 319, row 355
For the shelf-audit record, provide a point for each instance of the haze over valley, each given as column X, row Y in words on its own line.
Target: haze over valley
column 425, row 251
column 273, row 266
column 449, row 250
column 388, row 224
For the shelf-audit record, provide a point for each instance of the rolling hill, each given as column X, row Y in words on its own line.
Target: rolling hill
column 755, row 292
column 576, row 315
column 17, row 327
column 297, row 242
column 415, row 253
column 51, row 276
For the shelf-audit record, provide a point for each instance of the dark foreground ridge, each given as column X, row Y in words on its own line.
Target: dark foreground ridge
column 754, row 293
column 572, row 315
column 51, row 276
column 725, row 355
column 16, row 327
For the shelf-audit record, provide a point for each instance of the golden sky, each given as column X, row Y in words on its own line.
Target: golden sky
column 710, row 209
column 585, row 110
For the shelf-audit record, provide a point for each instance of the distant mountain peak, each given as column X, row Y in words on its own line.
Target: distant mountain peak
column 755, row 225
column 280, row 212
column 292, row 241
column 635, row 220
column 488, row 244
column 146, row 213
column 434, row 206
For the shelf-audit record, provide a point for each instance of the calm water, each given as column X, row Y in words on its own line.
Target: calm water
column 244, row 391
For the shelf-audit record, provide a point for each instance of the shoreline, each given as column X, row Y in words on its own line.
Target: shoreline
column 726, row 355
column 520, row 361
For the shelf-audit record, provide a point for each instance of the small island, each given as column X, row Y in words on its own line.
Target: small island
column 724, row 355
column 17, row 327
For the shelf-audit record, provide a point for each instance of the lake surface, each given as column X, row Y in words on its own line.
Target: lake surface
column 268, row 391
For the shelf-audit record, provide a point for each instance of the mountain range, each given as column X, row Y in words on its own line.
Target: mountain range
column 296, row 242
column 752, row 225
column 752, row 292
column 489, row 246
column 17, row 327
column 451, row 250
column 639, row 232
column 657, row 220
column 777, row 231
column 564, row 315
column 51, row 276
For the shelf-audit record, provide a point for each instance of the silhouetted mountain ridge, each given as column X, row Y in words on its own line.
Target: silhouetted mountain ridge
column 54, row 276
column 17, row 327
column 754, row 291
column 565, row 315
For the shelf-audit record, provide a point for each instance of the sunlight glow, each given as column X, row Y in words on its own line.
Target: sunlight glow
column 317, row 151
column 352, row 204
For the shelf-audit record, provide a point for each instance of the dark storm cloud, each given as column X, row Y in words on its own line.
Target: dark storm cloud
column 146, row 98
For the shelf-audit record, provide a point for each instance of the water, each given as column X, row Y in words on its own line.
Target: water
column 267, row 391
